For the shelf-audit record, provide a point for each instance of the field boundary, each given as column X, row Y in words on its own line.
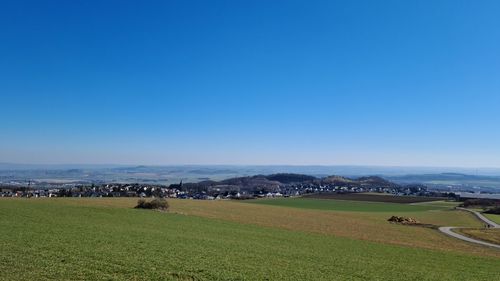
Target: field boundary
column 448, row 230
column 366, row 197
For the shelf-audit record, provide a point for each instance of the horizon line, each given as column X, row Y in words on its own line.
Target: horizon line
column 250, row 165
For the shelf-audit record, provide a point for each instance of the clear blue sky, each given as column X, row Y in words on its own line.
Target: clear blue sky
column 251, row 82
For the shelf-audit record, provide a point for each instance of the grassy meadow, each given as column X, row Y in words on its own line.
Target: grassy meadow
column 344, row 205
column 495, row 218
column 106, row 239
column 488, row 235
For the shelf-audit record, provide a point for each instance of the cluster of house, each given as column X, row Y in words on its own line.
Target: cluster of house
column 186, row 192
column 105, row 190
column 298, row 189
column 23, row 192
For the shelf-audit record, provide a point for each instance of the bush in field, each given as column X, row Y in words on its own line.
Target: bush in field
column 480, row 203
column 155, row 204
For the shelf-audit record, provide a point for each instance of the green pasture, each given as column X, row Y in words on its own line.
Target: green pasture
column 344, row 205
column 52, row 240
column 495, row 218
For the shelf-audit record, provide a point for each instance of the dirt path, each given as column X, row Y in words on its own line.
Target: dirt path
column 448, row 230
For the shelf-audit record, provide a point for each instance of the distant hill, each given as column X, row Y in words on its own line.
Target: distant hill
column 249, row 181
column 336, row 180
column 378, row 181
column 273, row 181
column 290, row 178
column 359, row 182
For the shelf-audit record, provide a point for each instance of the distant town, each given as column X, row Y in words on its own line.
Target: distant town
column 259, row 186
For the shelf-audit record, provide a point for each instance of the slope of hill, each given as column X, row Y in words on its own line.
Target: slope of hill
column 290, row 178
column 274, row 181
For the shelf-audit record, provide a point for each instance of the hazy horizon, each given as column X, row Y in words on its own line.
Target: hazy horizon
column 234, row 164
column 415, row 169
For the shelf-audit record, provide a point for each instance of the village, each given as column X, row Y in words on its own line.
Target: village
column 195, row 191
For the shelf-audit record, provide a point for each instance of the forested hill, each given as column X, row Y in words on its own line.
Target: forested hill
column 269, row 182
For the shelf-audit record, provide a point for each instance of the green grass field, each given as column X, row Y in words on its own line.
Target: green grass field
column 495, row 218
column 66, row 239
column 344, row 205
column 443, row 204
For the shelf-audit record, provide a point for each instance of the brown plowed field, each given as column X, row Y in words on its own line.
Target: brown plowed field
column 373, row 197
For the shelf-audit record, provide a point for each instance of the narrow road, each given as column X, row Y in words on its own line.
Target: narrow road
column 480, row 216
column 448, row 230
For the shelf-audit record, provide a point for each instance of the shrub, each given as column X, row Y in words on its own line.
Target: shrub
column 495, row 211
column 480, row 203
column 155, row 204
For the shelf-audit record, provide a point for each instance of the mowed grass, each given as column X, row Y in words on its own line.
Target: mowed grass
column 70, row 240
column 443, row 204
column 344, row 205
column 495, row 218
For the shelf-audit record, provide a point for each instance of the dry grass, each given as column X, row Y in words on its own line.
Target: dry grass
column 357, row 225
column 488, row 235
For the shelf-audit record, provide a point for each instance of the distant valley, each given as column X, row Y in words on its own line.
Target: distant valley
column 445, row 179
